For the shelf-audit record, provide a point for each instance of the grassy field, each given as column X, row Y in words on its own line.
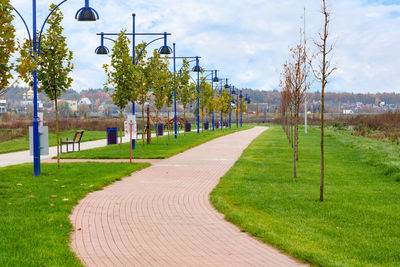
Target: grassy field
column 22, row 143
column 357, row 225
column 34, row 223
column 164, row 149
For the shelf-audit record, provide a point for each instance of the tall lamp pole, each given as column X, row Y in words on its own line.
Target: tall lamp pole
column 174, row 60
column 198, row 69
column 86, row 13
column 164, row 50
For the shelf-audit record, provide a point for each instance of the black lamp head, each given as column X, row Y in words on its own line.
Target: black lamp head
column 102, row 50
column 233, row 91
column 215, row 79
column 165, row 50
column 197, row 68
column 226, row 86
column 86, row 13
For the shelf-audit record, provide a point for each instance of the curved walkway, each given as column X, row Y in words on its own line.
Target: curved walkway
column 161, row 216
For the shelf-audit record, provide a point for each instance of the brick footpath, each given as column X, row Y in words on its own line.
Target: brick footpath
column 162, row 216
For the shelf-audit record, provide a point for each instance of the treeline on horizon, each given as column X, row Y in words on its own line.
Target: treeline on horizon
column 257, row 96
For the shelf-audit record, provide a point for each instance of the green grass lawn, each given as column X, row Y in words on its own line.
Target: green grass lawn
column 164, row 149
column 22, row 143
column 34, row 223
column 357, row 225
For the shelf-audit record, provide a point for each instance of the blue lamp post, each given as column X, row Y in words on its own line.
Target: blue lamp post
column 213, row 79
column 174, row 59
column 84, row 14
column 198, row 69
column 164, row 50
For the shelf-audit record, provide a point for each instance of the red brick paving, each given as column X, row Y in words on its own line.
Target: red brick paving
column 162, row 216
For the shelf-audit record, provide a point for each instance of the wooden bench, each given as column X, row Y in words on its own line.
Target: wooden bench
column 77, row 140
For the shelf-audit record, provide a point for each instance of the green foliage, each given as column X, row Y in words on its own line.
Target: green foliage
column 207, row 100
column 185, row 91
column 223, row 102
column 54, row 62
column 34, row 213
column 7, row 43
column 120, row 72
column 158, row 74
column 357, row 225
column 142, row 82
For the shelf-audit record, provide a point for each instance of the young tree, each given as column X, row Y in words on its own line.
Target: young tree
column 322, row 72
column 53, row 64
column 120, row 73
column 158, row 73
column 224, row 102
column 7, row 45
column 142, row 80
column 186, row 91
column 206, row 95
column 170, row 85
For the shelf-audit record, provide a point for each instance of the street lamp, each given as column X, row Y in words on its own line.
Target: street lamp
column 198, row 69
column 212, row 86
column 84, row 14
column 163, row 50
column 174, row 59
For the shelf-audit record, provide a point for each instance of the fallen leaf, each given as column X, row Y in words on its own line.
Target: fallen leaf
column 19, row 184
column 61, row 225
column 31, row 196
column 65, row 199
column 79, row 229
column 52, row 204
column 63, row 186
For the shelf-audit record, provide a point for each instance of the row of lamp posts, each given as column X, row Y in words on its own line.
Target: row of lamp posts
column 88, row 14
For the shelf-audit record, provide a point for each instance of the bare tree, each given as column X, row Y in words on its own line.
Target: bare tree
column 322, row 72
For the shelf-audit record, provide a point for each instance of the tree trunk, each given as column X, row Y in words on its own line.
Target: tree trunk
column 157, row 122
column 57, row 134
column 168, row 122
column 321, row 190
column 297, row 131
column 120, row 129
column 143, row 127
column 184, row 119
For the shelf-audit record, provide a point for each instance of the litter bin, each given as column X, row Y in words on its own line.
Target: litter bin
column 188, row 127
column 160, row 129
column 206, row 125
column 112, row 136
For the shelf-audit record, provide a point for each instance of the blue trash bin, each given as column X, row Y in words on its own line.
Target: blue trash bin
column 188, row 127
column 160, row 129
column 112, row 136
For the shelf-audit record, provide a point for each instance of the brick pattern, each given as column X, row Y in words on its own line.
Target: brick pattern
column 162, row 216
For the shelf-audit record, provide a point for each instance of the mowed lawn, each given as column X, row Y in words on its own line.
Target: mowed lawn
column 34, row 211
column 22, row 143
column 357, row 225
column 165, row 147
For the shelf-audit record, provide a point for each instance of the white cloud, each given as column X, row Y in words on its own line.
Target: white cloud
column 247, row 41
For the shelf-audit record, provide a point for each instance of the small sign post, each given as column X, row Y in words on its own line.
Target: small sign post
column 130, row 128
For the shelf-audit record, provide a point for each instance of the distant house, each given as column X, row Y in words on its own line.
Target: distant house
column 348, row 111
column 86, row 101
column 3, row 106
column 73, row 105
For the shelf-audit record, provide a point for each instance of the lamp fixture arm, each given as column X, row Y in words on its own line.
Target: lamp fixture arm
column 26, row 26
column 187, row 63
column 204, row 78
column 141, row 51
column 44, row 24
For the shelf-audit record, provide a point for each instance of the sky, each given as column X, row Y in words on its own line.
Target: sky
column 247, row 41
